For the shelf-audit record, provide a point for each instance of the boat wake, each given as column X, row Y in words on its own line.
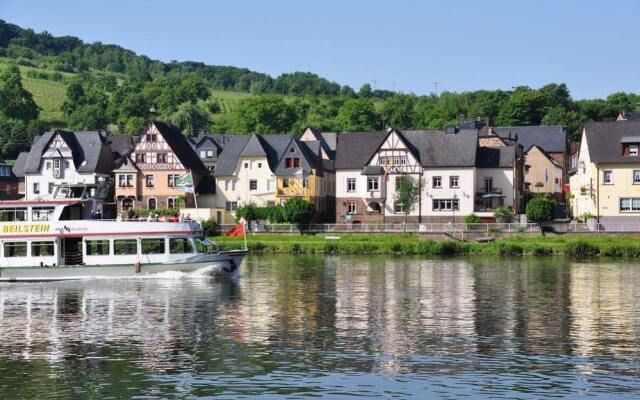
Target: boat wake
column 202, row 273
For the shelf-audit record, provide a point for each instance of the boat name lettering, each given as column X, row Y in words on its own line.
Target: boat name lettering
column 27, row 228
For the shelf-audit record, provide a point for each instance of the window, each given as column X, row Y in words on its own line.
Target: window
column 151, row 137
column 203, row 154
column 437, row 182
column 152, row 203
column 253, row 184
column 633, row 150
column 172, row 180
column 259, row 165
column 149, row 180
column 47, row 165
column 454, row 182
column 56, row 163
column 607, row 177
column 246, row 165
column 97, row 247
column 161, row 158
column 636, row 176
column 305, row 182
column 285, row 183
column 226, row 184
column 373, row 184
column 127, row 203
column 122, row 180
column 42, row 249
column 233, row 184
column 296, row 162
column 180, row 246
column 488, row 184
column 15, row 249
column 351, row 184
column 123, row 247
column 41, row 213
column 36, row 187
column 231, row 205
column 629, row 204
column 152, row 246
column 10, row 215
column 446, row 205
column 271, row 203
column 66, row 164
column 172, row 202
column 50, row 187
column 140, row 158
column 351, row 207
column 398, row 208
column 209, row 153
column 271, row 184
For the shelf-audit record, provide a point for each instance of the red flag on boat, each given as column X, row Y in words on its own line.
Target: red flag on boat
column 237, row 230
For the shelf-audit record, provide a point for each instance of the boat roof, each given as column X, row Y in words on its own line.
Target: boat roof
column 14, row 203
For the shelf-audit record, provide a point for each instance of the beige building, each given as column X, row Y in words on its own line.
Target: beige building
column 605, row 178
column 542, row 173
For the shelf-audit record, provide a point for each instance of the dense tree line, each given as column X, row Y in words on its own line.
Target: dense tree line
column 143, row 89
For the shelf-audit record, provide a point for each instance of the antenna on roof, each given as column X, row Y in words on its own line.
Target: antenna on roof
column 435, row 88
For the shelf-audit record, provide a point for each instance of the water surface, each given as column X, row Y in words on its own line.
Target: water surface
column 297, row 326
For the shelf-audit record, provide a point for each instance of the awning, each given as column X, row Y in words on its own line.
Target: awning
column 492, row 195
column 376, row 170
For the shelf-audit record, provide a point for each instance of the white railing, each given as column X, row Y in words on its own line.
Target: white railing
column 393, row 228
column 450, row 230
column 603, row 227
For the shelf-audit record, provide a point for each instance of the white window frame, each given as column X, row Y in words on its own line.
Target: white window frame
column 349, row 182
column 604, row 177
column 457, row 183
column 373, row 184
column 632, row 208
column 633, row 177
column 436, row 179
column 352, row 207
column 253, row 184
column 633, row 149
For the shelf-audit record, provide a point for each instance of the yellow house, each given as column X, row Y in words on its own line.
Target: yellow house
column 542, row 173
column 605, row 176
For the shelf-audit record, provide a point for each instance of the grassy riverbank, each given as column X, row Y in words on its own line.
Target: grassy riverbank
column 576, row 246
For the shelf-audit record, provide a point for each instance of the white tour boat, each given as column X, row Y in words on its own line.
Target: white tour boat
column 65, row 238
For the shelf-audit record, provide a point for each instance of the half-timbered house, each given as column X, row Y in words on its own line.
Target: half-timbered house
column 149, row 173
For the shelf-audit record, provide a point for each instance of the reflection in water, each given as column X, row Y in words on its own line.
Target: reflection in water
column 330, row 326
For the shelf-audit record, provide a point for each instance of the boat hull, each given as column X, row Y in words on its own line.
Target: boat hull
column 222, row 263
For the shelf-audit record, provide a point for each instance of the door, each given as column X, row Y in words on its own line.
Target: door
column 72, row 251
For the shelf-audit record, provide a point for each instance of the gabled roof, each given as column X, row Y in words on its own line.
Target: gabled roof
column 253, row 148
column 120, row 146
column 88, row 148
column 553, row 139
column 442, row 149
column 180, row 146
column 228, row 158
column 354, row 150
column 496, row 157
column 18, row 167
column 127, row 165
column 604, row 140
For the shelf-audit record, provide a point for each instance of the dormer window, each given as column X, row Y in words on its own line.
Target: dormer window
column 633, row 149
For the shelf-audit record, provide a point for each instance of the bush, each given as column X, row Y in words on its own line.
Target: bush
column 503, row 214
column 510, row 249
column 299, row 211
column 541, row 251
column 447, row 248
column 540, row 209
column 209, row 227
column 581, row 249
column 472, row 219
column 163, row 212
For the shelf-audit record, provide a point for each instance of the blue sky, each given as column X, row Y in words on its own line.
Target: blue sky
column 593, row 46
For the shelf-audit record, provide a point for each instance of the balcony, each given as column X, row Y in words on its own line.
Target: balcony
column 488, row 200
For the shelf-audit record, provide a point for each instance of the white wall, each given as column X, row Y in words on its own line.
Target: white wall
column 45, row 176
column 464, row 194
column 502, row 179
column 258, row 169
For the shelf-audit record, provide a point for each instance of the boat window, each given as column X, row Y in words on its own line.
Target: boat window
column 41, row 249
column 41, row 213
column 15, row 249
column 152, row 246
column 180, row 246
column 97, row 247
column 13, row 214
column 123, row 247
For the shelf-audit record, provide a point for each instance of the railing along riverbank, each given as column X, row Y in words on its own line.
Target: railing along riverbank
column 443, row 228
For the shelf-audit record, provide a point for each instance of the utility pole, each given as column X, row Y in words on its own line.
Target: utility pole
column 374, row 81
column 393, row 85
column 435, row 87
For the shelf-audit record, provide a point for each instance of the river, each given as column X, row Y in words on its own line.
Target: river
column 331, row 326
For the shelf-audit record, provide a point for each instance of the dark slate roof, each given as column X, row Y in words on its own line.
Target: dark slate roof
column 553, row 139
column 228, row 159
column 630, row 116
column 120, row 146
column 88, row 148
column 354, row 150
column 18, row 167
column 180, row 146
column 253, row 148
column 440, row 149
column 326, row 139
column 604, row 140
column 496, row 157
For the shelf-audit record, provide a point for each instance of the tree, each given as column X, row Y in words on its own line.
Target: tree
column 399, row 111
column 190, row 118
column 408, row 194
column 263, row 114
column 540, row 208
column 15, row 101
column 365, row 91
column 299, row 211
column 357, row 115
column 561, row 116
column 85, row 107
column 524, row 107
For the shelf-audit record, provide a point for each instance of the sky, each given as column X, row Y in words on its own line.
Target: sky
column 402, row 45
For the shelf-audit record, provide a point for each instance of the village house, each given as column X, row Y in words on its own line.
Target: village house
column 148, row 175
column 605, row 174
column 64, row 158
column 453, row 171
column 266, row 170
column 8, row 182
